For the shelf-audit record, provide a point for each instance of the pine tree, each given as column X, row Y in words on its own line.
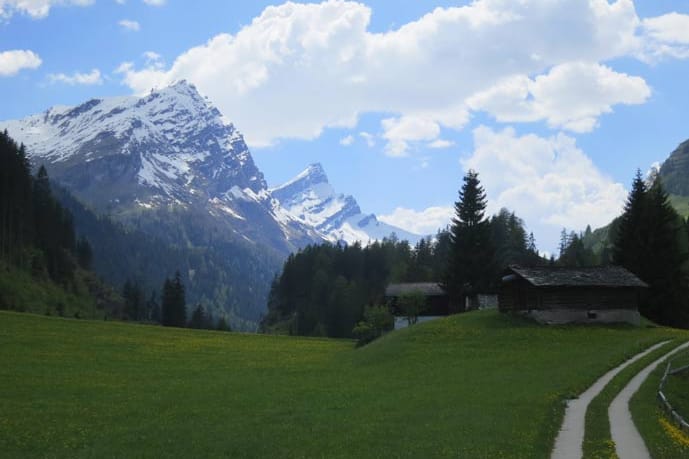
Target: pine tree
column 173, row 304
column 632, row 233
column 470, row 263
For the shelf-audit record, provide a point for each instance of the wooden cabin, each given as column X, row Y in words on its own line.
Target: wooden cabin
column 437, row 301
column 555, row 295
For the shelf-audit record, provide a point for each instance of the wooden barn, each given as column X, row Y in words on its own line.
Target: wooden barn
column 437, row 301
column 556, row 295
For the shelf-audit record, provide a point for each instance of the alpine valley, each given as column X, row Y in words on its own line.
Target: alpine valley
column 176, row 177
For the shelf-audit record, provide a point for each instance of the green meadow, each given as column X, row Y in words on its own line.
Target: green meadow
column 475, row 385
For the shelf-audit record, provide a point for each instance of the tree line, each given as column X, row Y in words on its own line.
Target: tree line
column 171, row 310
column 329, row 289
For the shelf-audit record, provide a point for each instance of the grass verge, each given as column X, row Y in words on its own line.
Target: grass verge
column 663, row 439
column 677, row 385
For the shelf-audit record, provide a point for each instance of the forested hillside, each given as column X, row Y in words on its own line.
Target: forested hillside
column 45, row 266
column 222, row 278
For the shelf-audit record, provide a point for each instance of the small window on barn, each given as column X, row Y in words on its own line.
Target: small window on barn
column 592, row 315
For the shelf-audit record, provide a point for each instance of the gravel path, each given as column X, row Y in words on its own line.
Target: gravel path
column 628, row 441
column 568, row 444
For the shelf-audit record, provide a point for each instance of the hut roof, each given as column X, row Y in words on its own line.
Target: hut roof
column 600, row 276
column 427, row 288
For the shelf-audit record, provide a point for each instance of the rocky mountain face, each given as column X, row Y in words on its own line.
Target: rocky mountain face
column 168, row 165
column 675, row 171
column 310, row 199
column 170, row 150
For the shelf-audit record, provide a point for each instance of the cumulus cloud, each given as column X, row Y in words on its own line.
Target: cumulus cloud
column 369, row 138
column 427, row 221
column 128, row 24
column 441, row 143
column 399, row 132
column 547, row 181
column 667, row 36
column 92, row 78
column 323, row 59
column 35, row 8
column 570, row 96
column 347, row 140
column 11, row 62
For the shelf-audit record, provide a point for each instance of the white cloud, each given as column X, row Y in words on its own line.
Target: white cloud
column 667, row 36
column 92, row 78
column 570, row 96
column 427, row 221
column 155, row 2
column 36, row 8
column 11, row 62
column 323, row 59
column 441, row 143
column 369, row 138
column 399, row 132
column 347, row 141
column 128, row 24
column 547, row 181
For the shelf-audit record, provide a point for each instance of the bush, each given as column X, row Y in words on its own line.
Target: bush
column 377, row 320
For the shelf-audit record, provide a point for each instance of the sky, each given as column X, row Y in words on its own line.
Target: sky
column 555, row 103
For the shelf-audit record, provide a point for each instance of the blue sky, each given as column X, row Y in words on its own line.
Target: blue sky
column 554, row 103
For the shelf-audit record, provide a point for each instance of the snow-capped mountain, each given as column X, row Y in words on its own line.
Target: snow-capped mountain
column 169, row 149
column 310, row 199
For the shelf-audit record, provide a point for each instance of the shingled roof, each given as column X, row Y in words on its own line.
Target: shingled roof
column 427, row 288
column 600, row 276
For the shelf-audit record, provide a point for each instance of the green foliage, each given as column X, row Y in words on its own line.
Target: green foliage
column 498, row 379
column 377, row 320
column 574, row 252
column 324, row 289
column 470, row 267
column 652, row 243
column 412, row 304
column 512, row 244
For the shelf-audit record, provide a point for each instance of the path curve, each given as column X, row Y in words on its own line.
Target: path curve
column 569, row 442
column 628, row 441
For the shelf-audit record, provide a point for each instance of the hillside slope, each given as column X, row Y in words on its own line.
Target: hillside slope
column 472, row 385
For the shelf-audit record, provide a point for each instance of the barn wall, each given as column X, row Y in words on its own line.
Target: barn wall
column 580, row 316
column 586, row 298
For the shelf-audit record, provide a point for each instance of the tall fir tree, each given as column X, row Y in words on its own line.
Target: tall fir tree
column 470, row 268
column 651, row 242
column 632, row 232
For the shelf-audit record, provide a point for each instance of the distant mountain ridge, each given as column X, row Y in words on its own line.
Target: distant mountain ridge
column 675, row 171
column 310, row 199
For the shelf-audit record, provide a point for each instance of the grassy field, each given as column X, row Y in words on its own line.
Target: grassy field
column 473, row 385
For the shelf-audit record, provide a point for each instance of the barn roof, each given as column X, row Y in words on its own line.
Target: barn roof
column 427, row 288
column 600, row 276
